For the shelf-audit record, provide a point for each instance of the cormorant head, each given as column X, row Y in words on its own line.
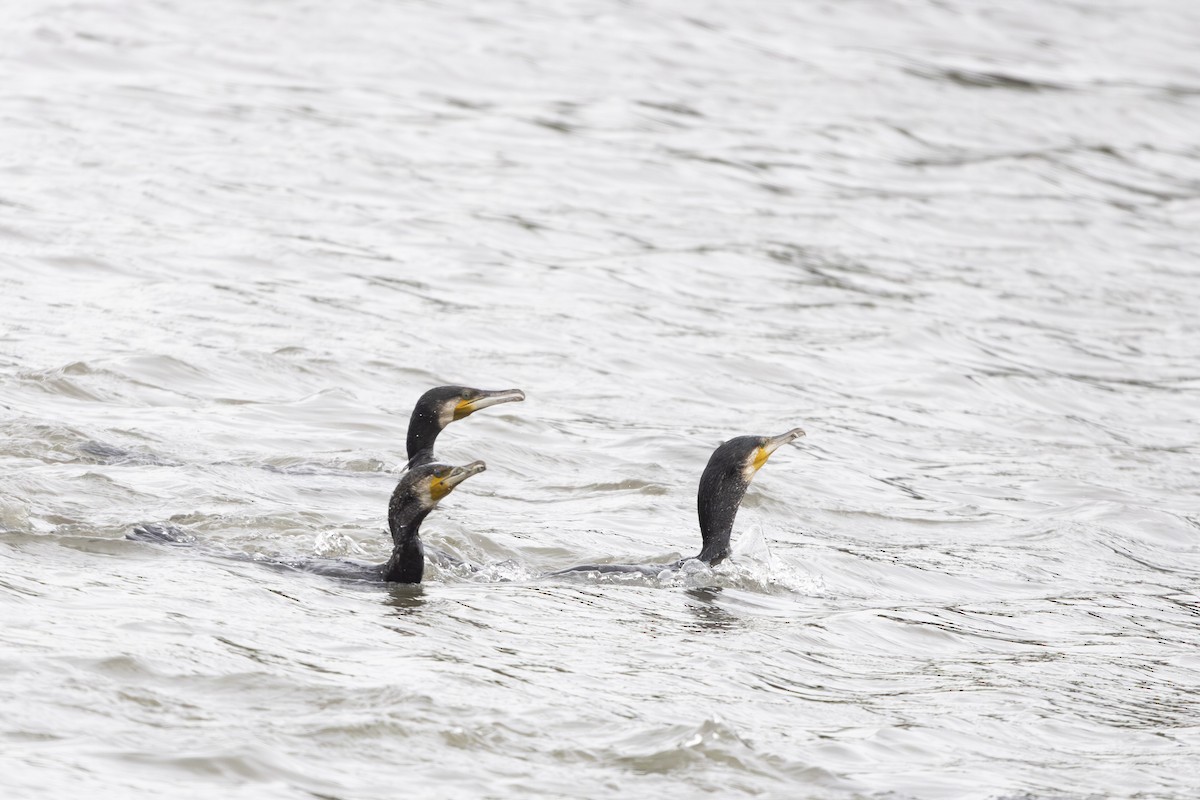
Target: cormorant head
column 420, row 490
column 723, row 484
column 440, row 406
column 428, row 484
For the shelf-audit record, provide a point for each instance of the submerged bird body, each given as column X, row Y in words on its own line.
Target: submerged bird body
column 442, row 405
column 723, row 484
column 419, row 491
column 425, row 482
column 422, row 485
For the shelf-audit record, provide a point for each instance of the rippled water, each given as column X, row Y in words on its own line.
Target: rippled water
column 956, row 242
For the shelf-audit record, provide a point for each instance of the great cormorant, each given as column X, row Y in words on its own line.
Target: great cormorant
column 722, row 486
column 419, row 491
column 442, row 405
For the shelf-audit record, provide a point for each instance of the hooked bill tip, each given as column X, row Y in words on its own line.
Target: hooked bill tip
column 775, row 442
column 493, row 399
column 460, row 474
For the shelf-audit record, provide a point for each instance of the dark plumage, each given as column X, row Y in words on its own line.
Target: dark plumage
column 419, row 491
column 730, row 469
column 442, row 405
column 422, row 485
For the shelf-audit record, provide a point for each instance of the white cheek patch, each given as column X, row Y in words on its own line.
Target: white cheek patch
column 748, row 468
column 424, row 495
column 446, row 413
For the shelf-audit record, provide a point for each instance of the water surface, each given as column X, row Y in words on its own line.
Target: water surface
column 954, row 242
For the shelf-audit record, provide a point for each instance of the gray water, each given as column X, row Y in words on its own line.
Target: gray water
column 954, row 241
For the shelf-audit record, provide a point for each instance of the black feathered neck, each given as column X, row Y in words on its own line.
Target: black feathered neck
column 429, row 417
column 722, row 487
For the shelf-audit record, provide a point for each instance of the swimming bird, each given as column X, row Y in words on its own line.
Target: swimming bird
column 730, row 469
column 422, row 486
column 442, row 405
column 419, row 491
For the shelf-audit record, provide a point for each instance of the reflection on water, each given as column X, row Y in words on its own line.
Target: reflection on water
column 709, row 616
column 406, row 599
column 958, row 249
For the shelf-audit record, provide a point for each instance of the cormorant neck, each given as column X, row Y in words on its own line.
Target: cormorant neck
column 405, row 516
column 421, row 458
column 407, row 564
column 423, row 429
column 730, row 469
column 720, row 495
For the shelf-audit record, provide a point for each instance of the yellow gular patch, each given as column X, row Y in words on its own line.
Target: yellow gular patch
column 462, row 409
column 438, row 489
column 760, row 458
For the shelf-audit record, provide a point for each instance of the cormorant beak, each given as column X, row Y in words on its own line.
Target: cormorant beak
column 440, row 487
column 773, row 443
column 484, row 399
column 460, row 474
